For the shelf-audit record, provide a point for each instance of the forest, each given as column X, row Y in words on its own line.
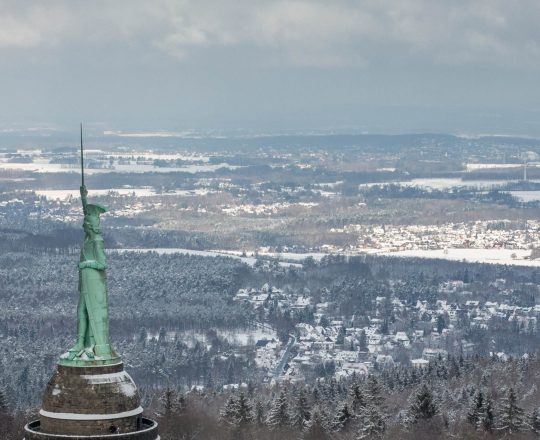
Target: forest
column 453, row 398
column 153, row 313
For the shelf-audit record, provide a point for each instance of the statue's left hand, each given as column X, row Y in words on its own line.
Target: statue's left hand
column 84, row 191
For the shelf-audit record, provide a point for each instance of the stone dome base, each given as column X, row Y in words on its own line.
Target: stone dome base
column 91, row 402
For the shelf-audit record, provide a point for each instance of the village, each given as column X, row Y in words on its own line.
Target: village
column 397, row 334
column 477, row 235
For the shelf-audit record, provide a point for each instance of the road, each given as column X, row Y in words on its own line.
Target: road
column 285, row 357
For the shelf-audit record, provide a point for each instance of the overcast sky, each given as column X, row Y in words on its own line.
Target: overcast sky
column 459, row 66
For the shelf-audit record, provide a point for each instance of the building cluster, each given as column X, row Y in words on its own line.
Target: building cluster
column 474, row 235
column 340, row 346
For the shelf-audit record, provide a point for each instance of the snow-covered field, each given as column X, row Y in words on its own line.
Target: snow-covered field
column 40, row 166
column 149, row 155
column 43, row 166
column 151, row 134
column 248, row 337
column 221, row 253
column 515, row 257
column 62, row 194
column 484, row 166
column 490, row 256
column 143, row 168
column 166, row 251
column 444, row 183
column 289, row 256
column 317, row 256
column 526, row 196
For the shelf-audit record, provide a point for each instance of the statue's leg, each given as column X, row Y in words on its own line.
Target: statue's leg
column 88, row 336
column 82, row 314
column 82, row 327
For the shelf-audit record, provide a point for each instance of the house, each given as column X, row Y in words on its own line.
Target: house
column 434, row 353
column 402, row 339
column 301, row 303
column 419, row 363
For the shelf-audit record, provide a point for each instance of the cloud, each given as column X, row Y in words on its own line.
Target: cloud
column 32, row 27
column 293, row 32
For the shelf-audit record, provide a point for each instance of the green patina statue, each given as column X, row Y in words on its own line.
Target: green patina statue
column 93, row 346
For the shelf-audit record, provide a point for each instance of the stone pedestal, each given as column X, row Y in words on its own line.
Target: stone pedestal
column 92, row 402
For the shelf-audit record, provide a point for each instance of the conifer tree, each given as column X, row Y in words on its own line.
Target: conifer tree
column 373, row 423
column 168, row 401
column 343, row 418
column 244, row 411
column 316, row 393
column 511, row 415
column 228, row 413
column 340, row 336
column 180, row 403
column 533, row 421
column 374, row 392
column 300, row 413
column 316, row 426
column 487, row 419
column 422, row 405
column 209, row 381
column 476, row 410
column 230, row 377
column 279, row 413
column 3, row 402
column 362, row 341
column 356, row 398
column 259, row 413
column 332, row 389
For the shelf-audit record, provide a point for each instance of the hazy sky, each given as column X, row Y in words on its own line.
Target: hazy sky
column 460, row 66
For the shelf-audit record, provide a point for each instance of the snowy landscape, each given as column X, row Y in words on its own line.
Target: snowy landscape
column 251, row 273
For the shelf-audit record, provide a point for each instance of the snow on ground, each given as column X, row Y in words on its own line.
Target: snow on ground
column 526, row 196
column 248, row 260
column 317, row 256
column 145, row 134
column 150, row 155
column 217, row 253
column 515, row 257
column 143, row 168
column 483, row 166
column 62, row 194
column 43, row 166
column 437, row 183
column 490, row 256
column 40, row 166
column 239, row 336
column 249, row 337
column 446, row 183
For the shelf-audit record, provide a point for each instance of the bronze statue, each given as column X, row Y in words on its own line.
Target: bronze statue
column 93, row 343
